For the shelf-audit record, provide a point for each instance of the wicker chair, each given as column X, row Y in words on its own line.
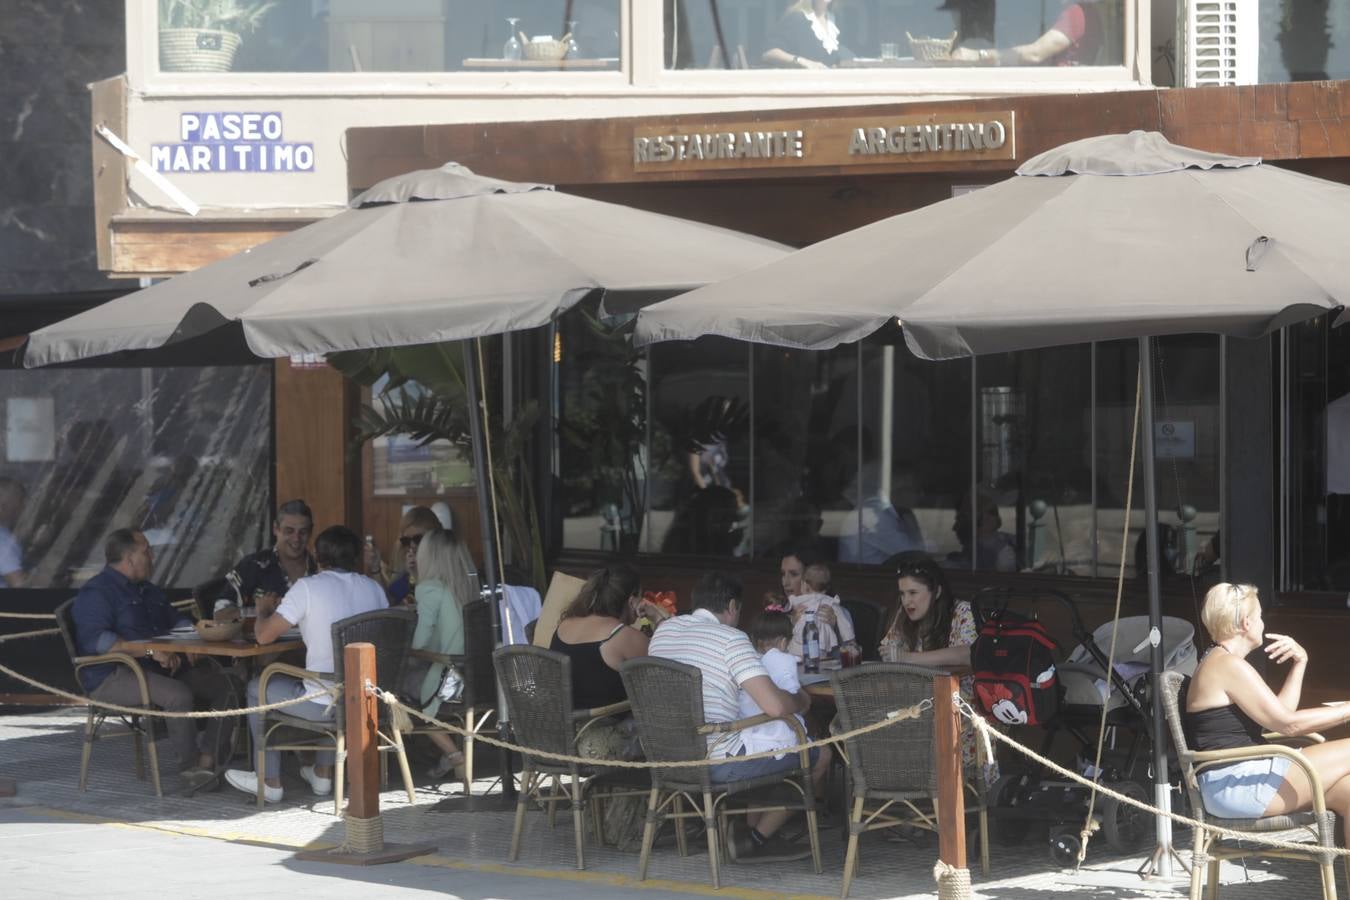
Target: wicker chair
column 667, row 700
column 478, row 703
column 139, row 730
column 537, row 684
column 391, row 631
column 1316, row 826
column 893, row 765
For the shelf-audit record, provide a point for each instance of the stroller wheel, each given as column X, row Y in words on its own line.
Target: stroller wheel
column 1005, row 793
column 1125, row 827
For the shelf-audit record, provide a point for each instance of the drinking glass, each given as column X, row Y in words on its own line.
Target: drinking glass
column 573, row 51
column 512, row 49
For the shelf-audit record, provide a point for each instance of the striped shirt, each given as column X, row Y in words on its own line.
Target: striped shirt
column 727, row 660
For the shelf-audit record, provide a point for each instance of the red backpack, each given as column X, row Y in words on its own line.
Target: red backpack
column 1013, row 660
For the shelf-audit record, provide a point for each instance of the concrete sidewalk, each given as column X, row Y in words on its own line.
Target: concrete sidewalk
column 117, row 839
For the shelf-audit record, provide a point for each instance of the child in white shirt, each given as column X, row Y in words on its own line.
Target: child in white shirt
column 770, row 632
column 816, row 581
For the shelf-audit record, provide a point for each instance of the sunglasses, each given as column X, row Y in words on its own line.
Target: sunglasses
column 408, row 541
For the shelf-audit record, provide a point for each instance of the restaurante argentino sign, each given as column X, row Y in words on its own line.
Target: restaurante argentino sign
column 826, row 142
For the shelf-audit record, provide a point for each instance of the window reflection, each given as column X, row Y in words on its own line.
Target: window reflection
column 814, row 34
column 388, row 35
column 182, row 454
column 700, row 448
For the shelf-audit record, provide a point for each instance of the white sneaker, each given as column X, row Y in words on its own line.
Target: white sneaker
column 248, row 783
column 322, row 786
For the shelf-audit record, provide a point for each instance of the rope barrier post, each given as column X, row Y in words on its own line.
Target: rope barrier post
column 364, row 844
column 953, row 877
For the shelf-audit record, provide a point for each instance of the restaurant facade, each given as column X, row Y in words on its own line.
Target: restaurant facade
column 722, row 453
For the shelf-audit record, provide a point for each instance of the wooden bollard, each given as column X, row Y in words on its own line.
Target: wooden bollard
column 365, row 844
column 951, row 805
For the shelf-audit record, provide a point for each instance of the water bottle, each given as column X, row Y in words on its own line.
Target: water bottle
column 811, row 643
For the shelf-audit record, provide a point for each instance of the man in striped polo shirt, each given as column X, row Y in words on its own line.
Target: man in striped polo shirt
column 709, row 639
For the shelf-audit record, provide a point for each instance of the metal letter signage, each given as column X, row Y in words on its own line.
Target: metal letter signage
column 231, row 142
column 879, row 140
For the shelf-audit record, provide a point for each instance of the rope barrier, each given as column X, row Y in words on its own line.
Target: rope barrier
column 333, row 692
column 397, row 707
column 985, row 729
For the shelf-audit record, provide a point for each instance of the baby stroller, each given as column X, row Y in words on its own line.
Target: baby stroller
column 1018, row 799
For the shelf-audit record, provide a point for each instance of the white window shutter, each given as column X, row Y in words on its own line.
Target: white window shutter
column 1219, row 40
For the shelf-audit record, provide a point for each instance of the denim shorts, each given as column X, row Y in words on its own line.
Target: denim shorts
column 1243, row 790
column 756, row 768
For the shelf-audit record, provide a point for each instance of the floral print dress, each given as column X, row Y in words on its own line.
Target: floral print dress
column 962, row 634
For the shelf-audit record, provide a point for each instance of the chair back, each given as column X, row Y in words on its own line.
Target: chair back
column 537, row 684
column 480, row 684
column 866, row 618
column 65, row 621
column 897, row 759
column 1171, row 685
column 667, row 699
column 391, row 631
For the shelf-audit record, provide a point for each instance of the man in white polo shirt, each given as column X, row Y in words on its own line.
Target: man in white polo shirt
column 709, row 639
column 313, row 604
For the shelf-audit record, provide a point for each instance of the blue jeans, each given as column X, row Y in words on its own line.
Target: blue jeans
column 758, row 768
column 279, row 688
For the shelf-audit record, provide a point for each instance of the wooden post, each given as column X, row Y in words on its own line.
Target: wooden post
column 951, row 806
column 363, row 713
column 365, row 844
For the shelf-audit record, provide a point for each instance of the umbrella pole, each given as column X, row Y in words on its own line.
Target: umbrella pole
column 477, row 437
column 1162, row 791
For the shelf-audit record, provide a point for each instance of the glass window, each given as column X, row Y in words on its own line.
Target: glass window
column 388, row 35
column 1317, row 463
column 700, row 446
column 182, row 454
column 1303, row 40
column 812, row 34
column 805, row 449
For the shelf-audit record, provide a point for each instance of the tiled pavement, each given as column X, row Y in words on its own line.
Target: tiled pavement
column 42, row 752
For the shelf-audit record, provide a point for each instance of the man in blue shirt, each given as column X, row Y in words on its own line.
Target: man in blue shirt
column 120, row 604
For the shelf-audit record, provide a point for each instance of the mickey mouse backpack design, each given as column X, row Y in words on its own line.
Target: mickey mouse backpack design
column 1013, row 660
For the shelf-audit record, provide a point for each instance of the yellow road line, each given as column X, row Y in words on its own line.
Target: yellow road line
column 442, row 862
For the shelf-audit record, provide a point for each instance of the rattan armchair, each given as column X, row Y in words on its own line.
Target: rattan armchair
column 140, row 730
column 537, row 685
column 891, row 768
column 391, row 631
column 1316, row 826
column 478, row 703
column 667, row 700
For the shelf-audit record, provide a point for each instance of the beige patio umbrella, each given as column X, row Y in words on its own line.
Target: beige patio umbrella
column 1110, row 237
column 436, row 255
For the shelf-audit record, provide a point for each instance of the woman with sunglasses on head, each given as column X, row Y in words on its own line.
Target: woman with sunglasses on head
column 932, row 628
column 1227, row 703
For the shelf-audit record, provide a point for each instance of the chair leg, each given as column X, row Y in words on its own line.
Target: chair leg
column 403, row 765
column 260, row 765
column 681, row 839
column 527, row 778
column 138, row 746
column 851, row 855
column 648, row 834
column 710, row 823
column 88, row 750
column 154, row 760
column 339, row 770
column 578, row 820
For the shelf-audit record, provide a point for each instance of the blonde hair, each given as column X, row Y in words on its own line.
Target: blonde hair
column 443, row 557
column 817, row 577
column 1226, row 605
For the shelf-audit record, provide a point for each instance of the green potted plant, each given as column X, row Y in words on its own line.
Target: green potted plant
column 203, row 35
